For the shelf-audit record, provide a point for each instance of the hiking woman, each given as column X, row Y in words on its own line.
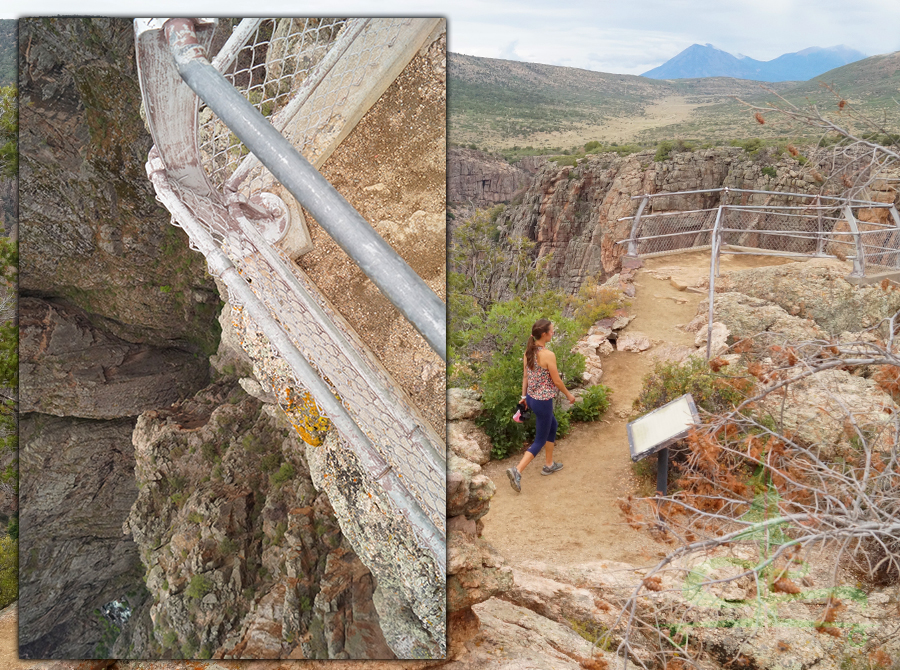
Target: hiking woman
column 540, row 379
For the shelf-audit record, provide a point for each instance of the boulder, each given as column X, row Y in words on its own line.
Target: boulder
column 468, row 441
column 817, row 290
column 675, row 353
column 633, row 341
column 815, row 412
column 469, row 492
column 463, row 404
column 720, row 334
column 746, row 316
column 475, row 571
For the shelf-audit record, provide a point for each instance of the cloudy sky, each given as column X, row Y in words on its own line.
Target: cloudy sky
column 628, row 37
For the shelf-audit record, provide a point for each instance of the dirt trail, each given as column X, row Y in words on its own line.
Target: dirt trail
column 571, row 517
column 9, row 640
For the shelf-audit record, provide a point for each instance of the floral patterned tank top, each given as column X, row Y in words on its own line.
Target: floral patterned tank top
column 540, row 386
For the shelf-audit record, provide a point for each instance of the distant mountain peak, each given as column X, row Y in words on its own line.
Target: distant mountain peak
column 709, row 61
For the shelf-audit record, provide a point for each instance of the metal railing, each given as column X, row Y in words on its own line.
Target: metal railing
column 221, row 169
column 769, row 223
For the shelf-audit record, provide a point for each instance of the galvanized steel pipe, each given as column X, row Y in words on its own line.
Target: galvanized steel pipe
column 390, row 273
column 433, row 539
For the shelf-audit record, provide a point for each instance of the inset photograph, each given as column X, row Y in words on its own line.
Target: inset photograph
column 232, row 338
column 674, row 295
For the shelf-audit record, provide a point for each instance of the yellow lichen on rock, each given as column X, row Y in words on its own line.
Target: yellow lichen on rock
column 303, row 413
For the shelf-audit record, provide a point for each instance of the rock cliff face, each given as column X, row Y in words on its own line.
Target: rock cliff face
column 573, row 212
column 243, row 557
column 476, row 177
column 71, row 368
column 92, row 232
column 236, row 553
column 124, row 309
column 76, row 487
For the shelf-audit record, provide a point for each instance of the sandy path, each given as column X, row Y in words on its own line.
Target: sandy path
column 571, row 517
column 9, row 640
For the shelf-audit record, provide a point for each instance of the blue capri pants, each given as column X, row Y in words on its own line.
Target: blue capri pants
column 546, row 424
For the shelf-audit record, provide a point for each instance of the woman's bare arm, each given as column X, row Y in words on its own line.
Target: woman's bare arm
column 524, row 376
column 554, row 376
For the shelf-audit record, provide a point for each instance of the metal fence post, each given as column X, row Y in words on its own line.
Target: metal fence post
column 713, row 262
column 635, row 227
column 859, row 261
column 820, row 239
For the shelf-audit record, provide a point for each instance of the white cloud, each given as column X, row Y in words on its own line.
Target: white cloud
column 623, row 37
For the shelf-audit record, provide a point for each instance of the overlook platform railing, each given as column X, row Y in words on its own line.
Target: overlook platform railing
column 773, row 223
column 237, row 142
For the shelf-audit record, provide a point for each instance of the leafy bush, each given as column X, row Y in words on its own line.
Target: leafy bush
column 9, row 570
column 285, row 474
column 501, row 340
column 711, row 391
column 590, row 146
column 228, row 547
column 594, row 302
column 200, row 585
column 751, row 146
column 170, row 639
column 769, row 171
column 593, row 403
column 663, row 151
column 563, row 161
column 564, row 423
column 270, row 461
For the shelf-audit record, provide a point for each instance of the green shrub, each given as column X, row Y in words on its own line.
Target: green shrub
column 594, row 302
column 189, row 649
column 170, row 639
column 270, row 461
column 280, row 530
column 227, row 547
column 769, row 171
column 590, row 146
column 285, row 474
column 503, row 335
column 200, row 585
column 593, row 403
column 563, row 421
column 751, row 146
column 663, row 151
column 9, row 570
column 711, row 391
column 209, row 451
column 563, row 161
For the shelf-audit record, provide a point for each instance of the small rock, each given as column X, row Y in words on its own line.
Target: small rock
column 605, row 348
column 633, row 341
column 462, row 404
column 720, row 335
column 601, row 330
column 677, row 284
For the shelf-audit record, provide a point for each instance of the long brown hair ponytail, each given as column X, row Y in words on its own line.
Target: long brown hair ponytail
column 540, row 327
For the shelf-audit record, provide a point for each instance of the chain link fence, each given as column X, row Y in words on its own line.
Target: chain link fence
column 783, row 223
column 281, row 66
